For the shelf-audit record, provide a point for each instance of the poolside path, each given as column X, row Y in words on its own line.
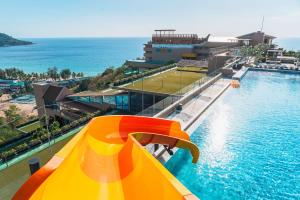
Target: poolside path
column 192, row 110
column 195, row 107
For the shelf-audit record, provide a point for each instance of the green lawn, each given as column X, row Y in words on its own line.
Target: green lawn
column 31, row 127
column 169, row 82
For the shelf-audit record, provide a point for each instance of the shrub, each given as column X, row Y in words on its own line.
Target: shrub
column 21, row 147
column 45, row 137
column 65, row 128
column 8, row 153
column 73, row 123
column 34, row 142
column 56, row 132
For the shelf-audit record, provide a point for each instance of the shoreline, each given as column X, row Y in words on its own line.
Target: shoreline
column 26, row 109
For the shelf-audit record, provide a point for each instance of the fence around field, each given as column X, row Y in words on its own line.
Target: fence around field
column 172, row 98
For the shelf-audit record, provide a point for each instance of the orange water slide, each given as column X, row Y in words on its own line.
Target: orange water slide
column 107, row 160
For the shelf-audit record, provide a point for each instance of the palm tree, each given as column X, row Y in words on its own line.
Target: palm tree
column 52, row 73
column 65, row 74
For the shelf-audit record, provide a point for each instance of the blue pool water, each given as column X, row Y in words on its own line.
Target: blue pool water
column 88, row 55
column 249, row 142
column 25, row 99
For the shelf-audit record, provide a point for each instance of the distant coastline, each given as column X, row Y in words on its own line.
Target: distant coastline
column 88, row 55
column 8, row 41
column 289, row 43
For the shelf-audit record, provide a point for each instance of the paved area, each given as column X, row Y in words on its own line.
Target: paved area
column 196, row 107
column 200, row 102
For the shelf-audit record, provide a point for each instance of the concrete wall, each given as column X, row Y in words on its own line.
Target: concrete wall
column 141, row 65
column 217, row 62
column 169, row 54
column 39, row 91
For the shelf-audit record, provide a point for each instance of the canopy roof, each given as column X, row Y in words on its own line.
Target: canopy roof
column 109, row 92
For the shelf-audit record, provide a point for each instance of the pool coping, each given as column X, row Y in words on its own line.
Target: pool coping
column 161, row 153
column 274, row 70
column 164, row 157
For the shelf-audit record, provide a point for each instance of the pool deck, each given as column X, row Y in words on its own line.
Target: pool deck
column 240, row 74
column 275, row 70
column 192, row 110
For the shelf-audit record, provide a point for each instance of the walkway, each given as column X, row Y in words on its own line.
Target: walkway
column 196, row 107
column 200, row 103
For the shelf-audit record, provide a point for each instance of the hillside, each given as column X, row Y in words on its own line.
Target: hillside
column 6, row 41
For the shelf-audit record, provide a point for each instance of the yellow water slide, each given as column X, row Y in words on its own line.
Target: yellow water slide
column 107, row 160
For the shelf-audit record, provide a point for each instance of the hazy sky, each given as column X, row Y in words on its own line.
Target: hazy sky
column 117, row 18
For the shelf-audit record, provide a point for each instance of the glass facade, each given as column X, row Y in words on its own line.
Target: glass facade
column 88, row 99
column 120, row 101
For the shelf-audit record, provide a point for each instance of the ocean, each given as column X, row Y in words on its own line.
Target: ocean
column 289, row 43
column 88, row 55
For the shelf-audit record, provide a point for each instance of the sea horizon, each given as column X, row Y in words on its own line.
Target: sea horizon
column 90, row 55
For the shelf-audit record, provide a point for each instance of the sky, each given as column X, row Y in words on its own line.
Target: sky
column 138, row 18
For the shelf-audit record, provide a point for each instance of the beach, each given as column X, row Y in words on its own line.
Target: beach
column 26, row 110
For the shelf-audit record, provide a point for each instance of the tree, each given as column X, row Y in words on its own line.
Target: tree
column 83, row 85
column 28, row 87
column 65, row 74
column 13, row 118
column 2, row 121
column 2, row 74
column 170, row 62
column 80, row 74
column 73, row 75
column 52, row 73
column 14, row 73
column 257, row 51
column 40, row 132
column 54, row 126
column 108, row 71
column 298, row 55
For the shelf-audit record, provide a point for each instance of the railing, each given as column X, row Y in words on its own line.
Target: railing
column 141, row 75
column 172, row 98
column 163, row 35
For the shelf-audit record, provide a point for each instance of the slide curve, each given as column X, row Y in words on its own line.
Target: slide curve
column 107, row 160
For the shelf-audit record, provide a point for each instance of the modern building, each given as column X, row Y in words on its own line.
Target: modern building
column 11, row 85
column 258, row 37
column 60, row 103
column 166, row 46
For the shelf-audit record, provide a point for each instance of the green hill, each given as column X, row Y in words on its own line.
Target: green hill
column 6, row 41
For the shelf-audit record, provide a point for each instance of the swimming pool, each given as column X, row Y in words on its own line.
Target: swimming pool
column 25, row 99
column 249, row 142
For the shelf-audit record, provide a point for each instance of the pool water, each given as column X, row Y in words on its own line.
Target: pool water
column 249, row 142
column 25, row 99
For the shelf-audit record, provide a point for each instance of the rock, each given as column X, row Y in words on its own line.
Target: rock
column 6, row 41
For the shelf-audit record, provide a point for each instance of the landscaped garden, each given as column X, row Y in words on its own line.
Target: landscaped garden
column 30, row 127
column 20, row 143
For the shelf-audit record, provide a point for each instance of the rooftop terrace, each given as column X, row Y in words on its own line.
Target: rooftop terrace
column 168, row 82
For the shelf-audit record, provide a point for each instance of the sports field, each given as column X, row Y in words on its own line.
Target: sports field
column 169, row 82
column 31, row 127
